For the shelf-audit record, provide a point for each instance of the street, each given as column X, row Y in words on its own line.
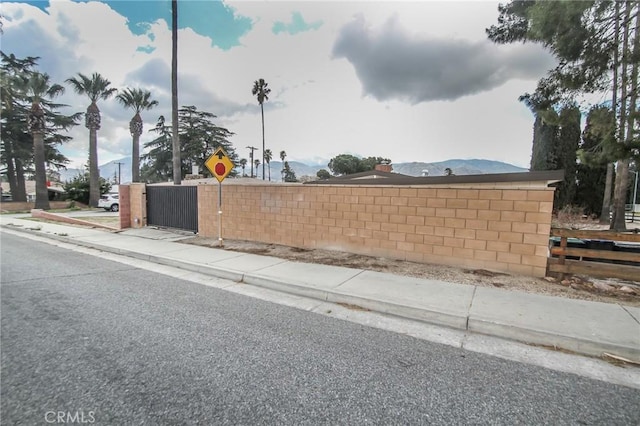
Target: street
column 100, row 342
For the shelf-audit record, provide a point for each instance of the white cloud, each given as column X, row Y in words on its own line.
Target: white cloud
column 317, row 107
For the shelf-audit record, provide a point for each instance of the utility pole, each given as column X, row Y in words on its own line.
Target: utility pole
column 251, row 149
column 119, row 172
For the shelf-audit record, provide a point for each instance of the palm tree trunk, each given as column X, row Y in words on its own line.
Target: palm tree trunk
column 94, row 171
column 11, row 171
column 21, row 187
column 135, row 159
column 42, row 194
column 175, row 138
column 262, row 113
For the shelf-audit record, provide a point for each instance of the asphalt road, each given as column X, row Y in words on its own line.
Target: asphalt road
column 100, row 342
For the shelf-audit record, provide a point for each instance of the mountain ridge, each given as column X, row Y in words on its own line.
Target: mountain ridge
column 458, row 167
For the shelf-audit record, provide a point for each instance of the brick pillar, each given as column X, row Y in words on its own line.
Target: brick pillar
column 125, row 206
column 138, row 199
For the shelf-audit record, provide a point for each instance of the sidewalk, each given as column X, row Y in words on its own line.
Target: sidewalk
column 588, row 328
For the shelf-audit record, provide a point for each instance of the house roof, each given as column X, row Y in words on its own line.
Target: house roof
column 382, row 178
column 370, row 174
column 30, row 187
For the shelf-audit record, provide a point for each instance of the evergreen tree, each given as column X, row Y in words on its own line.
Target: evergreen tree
column 597, row 44
column 199, row 138
column 592, row 170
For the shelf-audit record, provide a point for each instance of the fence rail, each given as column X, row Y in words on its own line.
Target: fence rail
column 604, row 254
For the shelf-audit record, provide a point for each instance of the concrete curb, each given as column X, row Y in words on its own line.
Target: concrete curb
column 469, row 322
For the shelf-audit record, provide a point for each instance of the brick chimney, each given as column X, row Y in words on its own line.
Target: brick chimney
column 385, row 167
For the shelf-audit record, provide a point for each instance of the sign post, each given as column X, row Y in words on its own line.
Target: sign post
column 220, row 165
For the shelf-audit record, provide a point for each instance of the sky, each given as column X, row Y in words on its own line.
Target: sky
column 409, row 81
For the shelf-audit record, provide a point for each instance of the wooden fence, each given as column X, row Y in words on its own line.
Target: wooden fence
column 604, row 254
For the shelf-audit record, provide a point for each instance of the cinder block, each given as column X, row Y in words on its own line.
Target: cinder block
column 538, row 217
column 533, row 260
column 408, row 192
column 494, row 225
column 397, row 218
column 406, row 228
column 415, row 238
column 498, row 246
column 512, row 216
column 465, row 233
column 466, row 214
column 540, row 195
column 487, row 235
column 526, row 228
column 446, row 213
column 526, row 206
column 407, row 210
column 426, row 211
column 536, row 239
column 476, row 224
column 490, row 194
column 463, row 253
column 417, row 202
column 506, row 257
column 415, row 220
column 511, row 237
column 446, row 193
column 405, row 246
column 426, row 193
column 456, row 203
column 433, row 240
column 444, row 232
column 453, row 242
column 517, row 194
column 390, row 192
column 501, row 205
column 527, row 249
column 436, row 202
column 479, row 204
column 429, row 230
column 485, row 255
column 469, row 194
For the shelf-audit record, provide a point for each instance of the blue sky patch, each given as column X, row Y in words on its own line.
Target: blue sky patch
column 297, row 25
column 212, row 19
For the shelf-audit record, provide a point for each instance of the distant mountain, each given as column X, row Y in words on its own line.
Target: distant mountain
column 109, row 170
column 301, row 169
column 458, row 167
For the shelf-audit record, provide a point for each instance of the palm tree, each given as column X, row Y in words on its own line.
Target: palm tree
column 96, row 87
column 175, row 138
column 261, row 91
column 36, row 88
column 138, row 100
column 257, row 163
column 283, row 155
column 268, row 155
column 243, row 164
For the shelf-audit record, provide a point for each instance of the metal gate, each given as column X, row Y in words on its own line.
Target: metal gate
column 173, row 207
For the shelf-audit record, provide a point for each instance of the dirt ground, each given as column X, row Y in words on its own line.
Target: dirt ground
column 585, row 288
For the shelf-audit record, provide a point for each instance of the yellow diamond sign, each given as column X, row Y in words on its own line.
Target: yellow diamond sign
column 219, row 164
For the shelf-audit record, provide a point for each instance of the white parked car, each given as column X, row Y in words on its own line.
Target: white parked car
column 110, row 202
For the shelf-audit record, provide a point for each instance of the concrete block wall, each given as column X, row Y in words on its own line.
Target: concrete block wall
column 497, row 227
